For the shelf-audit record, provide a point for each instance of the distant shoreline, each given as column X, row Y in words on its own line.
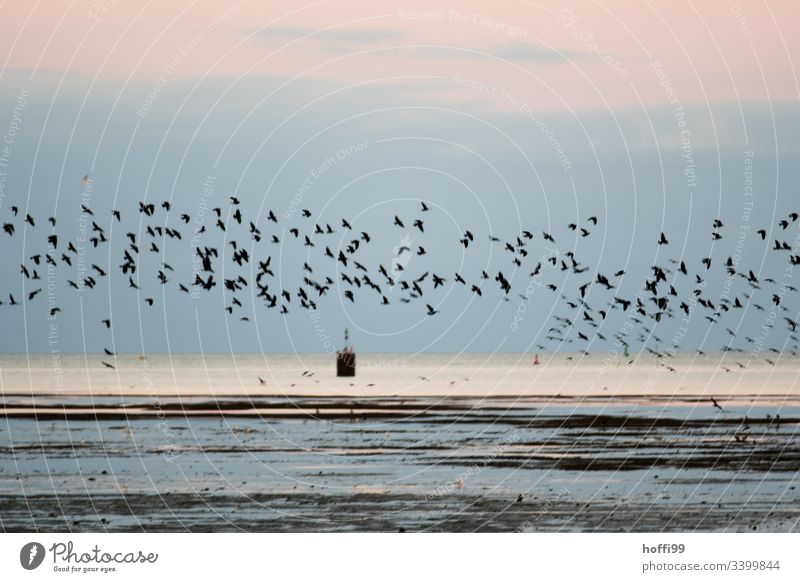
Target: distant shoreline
column 503, row 409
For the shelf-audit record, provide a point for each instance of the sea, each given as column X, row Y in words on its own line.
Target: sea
column 413, row 442
column 455, row 374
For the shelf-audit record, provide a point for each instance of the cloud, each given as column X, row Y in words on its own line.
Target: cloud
column 513, row 51
column 339, row 40
column 327, row 39
column 525, row 51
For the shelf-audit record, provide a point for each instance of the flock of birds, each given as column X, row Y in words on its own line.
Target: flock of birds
column 673, row 289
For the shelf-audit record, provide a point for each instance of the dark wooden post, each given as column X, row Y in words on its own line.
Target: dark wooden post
column 346, row 359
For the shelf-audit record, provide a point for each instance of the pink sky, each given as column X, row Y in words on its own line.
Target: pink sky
column 710, row 50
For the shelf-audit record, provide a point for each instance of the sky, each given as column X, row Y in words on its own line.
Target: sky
column 504, row 116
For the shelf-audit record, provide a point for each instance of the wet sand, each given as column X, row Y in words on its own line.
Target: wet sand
column 311, row 463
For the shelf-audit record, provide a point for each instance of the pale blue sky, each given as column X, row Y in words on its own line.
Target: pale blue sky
column 488, row 157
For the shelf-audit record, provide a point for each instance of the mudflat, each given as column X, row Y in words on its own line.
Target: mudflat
column 311, row 463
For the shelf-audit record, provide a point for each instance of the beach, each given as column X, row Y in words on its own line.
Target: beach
column 437, row 442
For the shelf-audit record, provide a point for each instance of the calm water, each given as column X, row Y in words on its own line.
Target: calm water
column 422, row 443
column 401, row 374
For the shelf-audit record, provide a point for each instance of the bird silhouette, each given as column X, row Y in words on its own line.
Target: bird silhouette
column 674, row 288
